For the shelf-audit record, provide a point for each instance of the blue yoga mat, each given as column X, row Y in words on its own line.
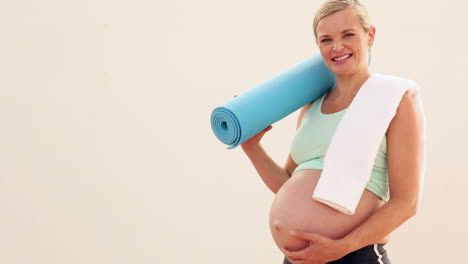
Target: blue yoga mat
column 246, row 115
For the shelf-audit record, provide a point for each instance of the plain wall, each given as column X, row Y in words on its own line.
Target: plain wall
column 107, row 155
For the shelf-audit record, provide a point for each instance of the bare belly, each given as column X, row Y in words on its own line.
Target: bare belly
column 294, row 208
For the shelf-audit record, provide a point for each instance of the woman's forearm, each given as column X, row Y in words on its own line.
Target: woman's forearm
column 273, row 175
column 381, row 223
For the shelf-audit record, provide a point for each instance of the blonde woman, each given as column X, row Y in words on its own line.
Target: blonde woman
column 310, row 232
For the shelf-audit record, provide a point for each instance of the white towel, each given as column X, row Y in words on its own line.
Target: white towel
column 348, row 162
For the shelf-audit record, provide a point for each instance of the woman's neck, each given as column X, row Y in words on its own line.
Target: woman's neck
column 348, row 86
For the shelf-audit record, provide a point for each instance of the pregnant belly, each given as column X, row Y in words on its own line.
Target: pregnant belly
column 294, row 208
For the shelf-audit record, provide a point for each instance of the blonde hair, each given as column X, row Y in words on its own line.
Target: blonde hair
column 332, row 6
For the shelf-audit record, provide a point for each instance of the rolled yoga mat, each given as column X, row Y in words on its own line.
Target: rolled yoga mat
column 246, row 115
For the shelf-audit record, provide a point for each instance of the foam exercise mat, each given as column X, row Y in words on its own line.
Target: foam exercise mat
column 244, row 116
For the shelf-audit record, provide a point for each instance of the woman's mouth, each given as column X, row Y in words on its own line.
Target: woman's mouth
column 342, row 58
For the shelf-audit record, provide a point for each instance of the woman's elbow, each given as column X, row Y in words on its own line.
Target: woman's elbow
column 406, row 209
column 413, row 210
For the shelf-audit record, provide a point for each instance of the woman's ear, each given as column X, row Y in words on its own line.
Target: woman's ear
column 371, row 35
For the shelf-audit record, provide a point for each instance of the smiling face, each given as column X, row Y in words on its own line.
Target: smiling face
column 343, row 42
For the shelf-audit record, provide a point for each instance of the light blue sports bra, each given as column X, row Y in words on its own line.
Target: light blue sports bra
column 311, row 141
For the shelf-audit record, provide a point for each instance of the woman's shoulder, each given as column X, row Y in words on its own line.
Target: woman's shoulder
column 307, row 106
column 409, row 117
column 303, row 111
column 393, row 80
column 392, row 77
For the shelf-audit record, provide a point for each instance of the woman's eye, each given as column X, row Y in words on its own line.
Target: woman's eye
column 325, row 40
column 349, row 35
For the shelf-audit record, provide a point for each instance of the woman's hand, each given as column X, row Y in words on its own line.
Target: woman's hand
column 253, row 141
column 321, row 249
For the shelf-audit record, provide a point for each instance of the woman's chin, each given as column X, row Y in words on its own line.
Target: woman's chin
column 340, row 71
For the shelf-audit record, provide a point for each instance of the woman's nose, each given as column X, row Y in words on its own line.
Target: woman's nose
column 337, row 46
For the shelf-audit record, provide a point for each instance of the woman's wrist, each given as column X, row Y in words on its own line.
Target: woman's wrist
column 251, row 148
column 347, row 245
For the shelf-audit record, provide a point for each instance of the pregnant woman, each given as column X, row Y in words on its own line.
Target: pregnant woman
column 308, row 231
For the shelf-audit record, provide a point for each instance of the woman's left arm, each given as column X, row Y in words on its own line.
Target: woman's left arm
column 405, row 159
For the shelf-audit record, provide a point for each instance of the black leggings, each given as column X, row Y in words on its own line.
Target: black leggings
column 371, row 254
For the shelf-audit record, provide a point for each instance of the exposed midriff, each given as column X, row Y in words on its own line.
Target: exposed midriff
column 294, row 208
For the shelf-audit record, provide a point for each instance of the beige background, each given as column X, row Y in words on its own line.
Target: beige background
column 107, row 155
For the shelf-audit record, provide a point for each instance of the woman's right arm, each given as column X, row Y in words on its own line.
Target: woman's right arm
column 272, row 174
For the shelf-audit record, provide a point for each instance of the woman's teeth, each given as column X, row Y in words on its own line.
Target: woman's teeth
column 342, row 57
